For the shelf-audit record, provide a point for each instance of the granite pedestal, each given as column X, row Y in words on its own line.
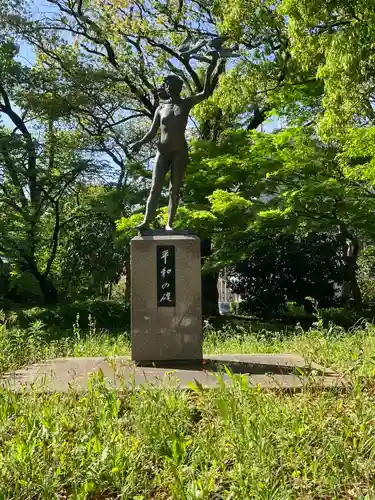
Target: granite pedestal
column 166, row 312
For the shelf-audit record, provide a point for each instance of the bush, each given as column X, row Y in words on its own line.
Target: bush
column 107, row 314
column 340, row 316
column 346, row 318
column 282, row 267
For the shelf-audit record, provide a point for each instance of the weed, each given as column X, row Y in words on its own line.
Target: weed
column 236, row 442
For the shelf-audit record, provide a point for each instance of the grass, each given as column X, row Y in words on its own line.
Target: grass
column 231, row 443
column 332, row 346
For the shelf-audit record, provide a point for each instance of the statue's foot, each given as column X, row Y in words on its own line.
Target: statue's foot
column 143, row 226
column 168, row 227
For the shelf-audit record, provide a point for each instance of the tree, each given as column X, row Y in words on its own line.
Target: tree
column 319, row 193
column 93, row 90
column 91, row 258
column 39, row 163
column 284, row 267
column 120, row 52
column 288, row 181
column 335, row 41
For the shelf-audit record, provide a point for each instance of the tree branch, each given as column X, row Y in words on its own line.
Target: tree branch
column 183, row 61
column 6, row 108
column 257, row 119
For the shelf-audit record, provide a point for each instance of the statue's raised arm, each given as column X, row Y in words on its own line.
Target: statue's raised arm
column 207, row 88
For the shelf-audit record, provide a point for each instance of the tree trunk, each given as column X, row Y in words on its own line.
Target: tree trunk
column 345, row 291
column 47, row 288
column 210, row 293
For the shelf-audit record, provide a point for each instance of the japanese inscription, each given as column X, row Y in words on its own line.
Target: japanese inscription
column 166, row 276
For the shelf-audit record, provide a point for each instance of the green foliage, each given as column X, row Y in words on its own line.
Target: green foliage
column 347, row 318
column 127, row 224
column 267, row 79
column 342, row 317
column 366, row 272
column 107, row 314
column 39, row 341
column 91, row 257
column 334, row 40
column 23, row 287
column 235, row 307
column 282, row 268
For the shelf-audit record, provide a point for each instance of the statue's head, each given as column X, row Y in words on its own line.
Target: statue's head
column 162, row 93
column 173, row 85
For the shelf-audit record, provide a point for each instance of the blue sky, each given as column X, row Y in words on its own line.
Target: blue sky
column 39, row 8
column 26, row 53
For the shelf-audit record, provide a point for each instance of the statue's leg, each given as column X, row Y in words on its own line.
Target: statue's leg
column 178, row 167
column 158, row 176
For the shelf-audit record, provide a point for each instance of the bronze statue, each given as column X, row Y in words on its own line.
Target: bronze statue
column 171, row 117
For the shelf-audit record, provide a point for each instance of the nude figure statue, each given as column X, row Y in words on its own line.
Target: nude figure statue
column 171, row 117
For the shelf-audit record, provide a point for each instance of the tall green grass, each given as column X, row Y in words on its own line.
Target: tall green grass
column 22, row 346
column 331, row 346
column 235, row 442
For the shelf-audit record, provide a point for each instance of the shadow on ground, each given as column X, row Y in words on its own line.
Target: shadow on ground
column 258, row 364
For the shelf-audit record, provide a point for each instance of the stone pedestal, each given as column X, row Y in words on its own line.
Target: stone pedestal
column 166, row 312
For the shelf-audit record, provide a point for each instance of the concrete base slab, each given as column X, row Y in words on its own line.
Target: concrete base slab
column 269, row 371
